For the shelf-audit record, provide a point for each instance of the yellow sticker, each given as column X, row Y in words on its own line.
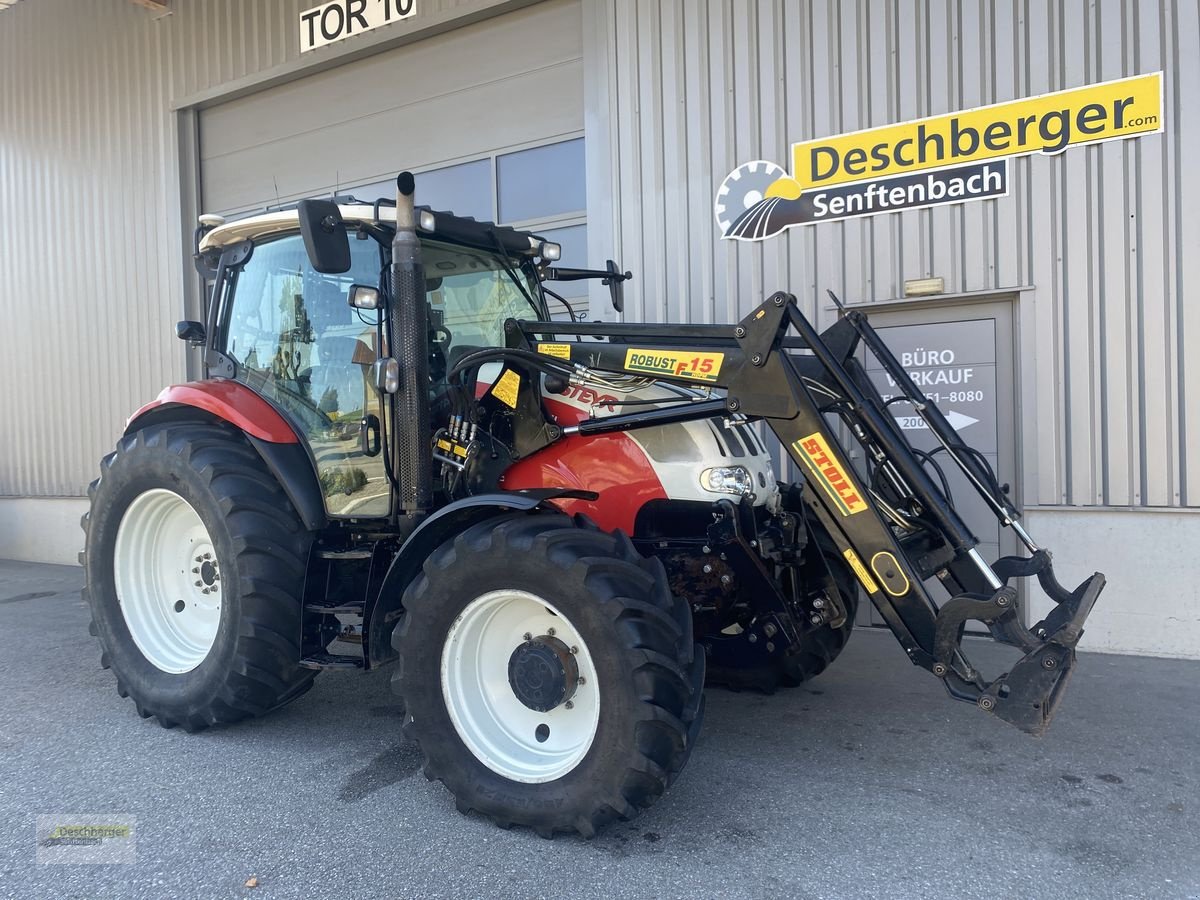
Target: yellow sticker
column 460, row 451
column 830, row 474
column 444, row 445
column 861, row 571
column 561, row 351
column 678, row 363
column 505, row 390
column 883, row 564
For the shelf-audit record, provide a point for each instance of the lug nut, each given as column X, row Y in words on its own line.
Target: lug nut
column 816, row 619
column 725, row 579
column 574, row 650
column 706, row 549
column 199, row 584
column 550, row 632
column 196, row 570
column 770, row 647
column 581, row 680
column 528, row 636
column 707, row 569
column 753, row 638
column 818, row 603
column 570, row 704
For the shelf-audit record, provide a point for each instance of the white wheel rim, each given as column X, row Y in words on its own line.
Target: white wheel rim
column 500, row 730
column 168, row 580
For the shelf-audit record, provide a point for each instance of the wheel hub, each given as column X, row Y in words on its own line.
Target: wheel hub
column 208, row 572
column 543, row 673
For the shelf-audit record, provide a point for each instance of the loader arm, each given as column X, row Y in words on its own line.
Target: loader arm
column 895, row 528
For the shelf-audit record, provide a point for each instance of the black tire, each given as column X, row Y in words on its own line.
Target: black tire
column 261, row 547
column 816, row 649
column 649, row 672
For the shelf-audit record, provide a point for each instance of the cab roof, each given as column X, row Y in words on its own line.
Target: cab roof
column 459, row 229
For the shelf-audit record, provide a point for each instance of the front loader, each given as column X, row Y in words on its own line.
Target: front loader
column 557, row 531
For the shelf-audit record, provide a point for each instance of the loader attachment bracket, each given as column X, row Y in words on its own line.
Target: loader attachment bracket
column 1028, row 695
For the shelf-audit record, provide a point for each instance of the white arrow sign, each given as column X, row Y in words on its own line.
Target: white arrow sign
column 958, row 421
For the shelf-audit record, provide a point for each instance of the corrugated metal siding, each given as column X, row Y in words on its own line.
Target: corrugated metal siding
column 1107, row 235
column 91, row 273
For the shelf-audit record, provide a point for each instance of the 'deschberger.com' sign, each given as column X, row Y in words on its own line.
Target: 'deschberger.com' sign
column 950, row 158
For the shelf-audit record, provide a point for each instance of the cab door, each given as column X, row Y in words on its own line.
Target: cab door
column 297, row 341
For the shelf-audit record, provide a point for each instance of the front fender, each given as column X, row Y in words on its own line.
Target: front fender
column 264, row 426
column 432, row 533
column 230, row 401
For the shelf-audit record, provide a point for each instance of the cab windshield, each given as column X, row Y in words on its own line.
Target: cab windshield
column 470, row 295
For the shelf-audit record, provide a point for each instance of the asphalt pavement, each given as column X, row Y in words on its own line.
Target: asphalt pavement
column 870, row 782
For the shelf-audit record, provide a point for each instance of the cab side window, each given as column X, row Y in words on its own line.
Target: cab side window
column 298, row 342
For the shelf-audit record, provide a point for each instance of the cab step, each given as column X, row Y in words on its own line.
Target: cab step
column 354, row 608
column 331, row 661
column 344, row 554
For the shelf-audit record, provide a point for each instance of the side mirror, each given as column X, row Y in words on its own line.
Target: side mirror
column 615, row 284
column 192, row 332
column 325, row 238
column 363, row 296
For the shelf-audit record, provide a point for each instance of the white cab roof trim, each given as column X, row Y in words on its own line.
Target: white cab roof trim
column 272, row 223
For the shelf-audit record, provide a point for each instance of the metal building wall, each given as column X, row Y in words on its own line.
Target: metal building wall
column 90, row 270
column 1107, row 235
column 92, row 261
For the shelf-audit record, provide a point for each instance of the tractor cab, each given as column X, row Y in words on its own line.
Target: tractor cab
column 307, row 341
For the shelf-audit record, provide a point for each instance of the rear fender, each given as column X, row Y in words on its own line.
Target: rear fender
column 263, row 425
column 434, row 531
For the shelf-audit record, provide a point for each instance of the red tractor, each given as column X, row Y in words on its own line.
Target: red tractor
column 554, row 528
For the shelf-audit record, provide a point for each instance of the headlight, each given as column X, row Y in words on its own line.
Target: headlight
column 727, row 480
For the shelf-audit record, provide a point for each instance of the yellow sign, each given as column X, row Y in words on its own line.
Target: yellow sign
column 835, row 478
column 860, row 570
column 505, row 390
column 951, row 158
column 677, row 363
column 1048, row 123
column 561, row 351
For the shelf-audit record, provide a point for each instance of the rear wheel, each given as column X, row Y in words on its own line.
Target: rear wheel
column 195, row 566
column 548, row 674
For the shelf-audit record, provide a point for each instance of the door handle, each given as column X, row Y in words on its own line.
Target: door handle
column 368, row 435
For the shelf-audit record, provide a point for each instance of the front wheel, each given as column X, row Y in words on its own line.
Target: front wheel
column 548, row 674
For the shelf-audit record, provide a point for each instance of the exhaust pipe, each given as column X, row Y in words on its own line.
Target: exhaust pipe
column 408, row 325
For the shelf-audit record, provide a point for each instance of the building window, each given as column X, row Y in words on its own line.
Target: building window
column 539, row 189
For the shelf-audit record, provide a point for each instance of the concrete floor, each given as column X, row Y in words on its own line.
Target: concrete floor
column 869, row 783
